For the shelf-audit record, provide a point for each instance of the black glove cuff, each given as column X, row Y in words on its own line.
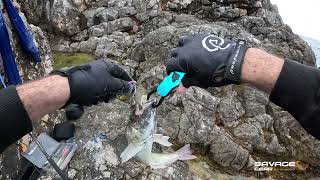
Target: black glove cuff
column 67, row 72
column 63, row 73
column 235, row 61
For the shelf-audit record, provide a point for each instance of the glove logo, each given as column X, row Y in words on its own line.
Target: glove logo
column 213, row 43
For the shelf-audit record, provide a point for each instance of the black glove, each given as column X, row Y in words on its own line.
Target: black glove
column 97, row 81
column 207, row 60
column 74, row 111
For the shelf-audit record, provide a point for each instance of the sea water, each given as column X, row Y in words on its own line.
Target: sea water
column 315, row 45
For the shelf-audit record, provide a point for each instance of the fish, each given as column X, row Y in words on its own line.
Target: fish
column 141, row 134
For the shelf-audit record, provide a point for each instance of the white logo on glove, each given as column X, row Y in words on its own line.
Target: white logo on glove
column 213, row 43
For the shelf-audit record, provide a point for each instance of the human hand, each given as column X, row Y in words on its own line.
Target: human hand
column 97, row 81
column 207, row 60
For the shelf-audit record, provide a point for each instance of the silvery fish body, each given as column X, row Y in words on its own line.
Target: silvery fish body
column 142, row 134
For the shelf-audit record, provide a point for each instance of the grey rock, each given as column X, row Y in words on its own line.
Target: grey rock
column 146, row 9
column 130, row 66
column 98, row 30
column 259, row 133
column 91, row 14
column 169, row 117
column 119, row 3
column 177, row 171
column 230, row 109
column 151, row 49
column 107, row 14
column 255, row 101
column 72, row 173
column 99, row 3
column 198, row 117
column 88, row 46
column 226, row 152
column 65, row 17
column 252, row 133
column 230, row 13
column 229, row 128
column 298, row 142
column 81, row 36
column 122, row 24
column 181, row 3
column 113, row 45
column 127, row 11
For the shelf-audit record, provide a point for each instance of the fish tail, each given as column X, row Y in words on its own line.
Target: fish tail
column 185, row 153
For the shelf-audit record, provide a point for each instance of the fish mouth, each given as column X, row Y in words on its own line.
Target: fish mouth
column 144, row 105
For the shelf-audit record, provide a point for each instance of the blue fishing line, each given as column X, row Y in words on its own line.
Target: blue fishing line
column 2, row 82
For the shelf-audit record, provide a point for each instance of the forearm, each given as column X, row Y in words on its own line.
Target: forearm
column 292, row 86
column 44, row 96
column 261, row 69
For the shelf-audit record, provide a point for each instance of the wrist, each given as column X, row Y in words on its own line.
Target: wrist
column 235, row 61
column 63, row 82
column 44, row 96
column 248, row 63
column 261, row 69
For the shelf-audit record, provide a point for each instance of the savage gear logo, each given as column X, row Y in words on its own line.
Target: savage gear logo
column 269, row 166
column 235, row 58
column 213, row 43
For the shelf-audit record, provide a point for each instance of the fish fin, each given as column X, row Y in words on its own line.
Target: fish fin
column 158, row 166
column 130, row 151
column 161, row 139
column 185, row 153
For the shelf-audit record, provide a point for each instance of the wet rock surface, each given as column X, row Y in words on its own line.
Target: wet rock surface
column 229, row 128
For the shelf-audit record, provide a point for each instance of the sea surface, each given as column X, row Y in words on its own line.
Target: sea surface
column 315, row 45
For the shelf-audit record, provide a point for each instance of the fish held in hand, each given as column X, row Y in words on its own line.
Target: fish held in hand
column 142, row 134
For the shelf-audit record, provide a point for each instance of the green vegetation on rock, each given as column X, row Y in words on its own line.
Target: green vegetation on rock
column 66, row 59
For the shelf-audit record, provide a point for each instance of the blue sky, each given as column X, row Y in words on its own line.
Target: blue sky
column 302, row 16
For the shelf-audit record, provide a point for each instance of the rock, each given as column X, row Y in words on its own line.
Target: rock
column 259, row 134
column 226, row 152
column 298, row 143
column 229, row 128
column 105, row 156
column 65, row 17
column 254, row 101
column 198, row 120
column 127, row 11
column 72, row 173
column 81, row 36
column 91, row 15
column 98, row 30
column 177, row 171
column 183, row 3
column 122, row 24
column 116, row 117
column 230, row 109
column 107, row 14
column 113, row 45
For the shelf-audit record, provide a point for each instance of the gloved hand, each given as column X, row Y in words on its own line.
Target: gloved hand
column 207, row 60
column 97, row 81
column 74, row 111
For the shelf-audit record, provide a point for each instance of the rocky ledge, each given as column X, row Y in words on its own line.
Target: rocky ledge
column 229, row 128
